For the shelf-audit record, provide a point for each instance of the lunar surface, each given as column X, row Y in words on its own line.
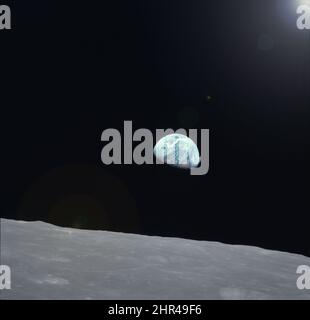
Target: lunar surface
column 50, row 262
column 177, row 150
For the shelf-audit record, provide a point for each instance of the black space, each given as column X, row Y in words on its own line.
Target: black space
column 70, row 69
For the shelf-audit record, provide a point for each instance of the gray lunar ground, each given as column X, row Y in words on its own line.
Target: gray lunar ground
column 49, row 262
